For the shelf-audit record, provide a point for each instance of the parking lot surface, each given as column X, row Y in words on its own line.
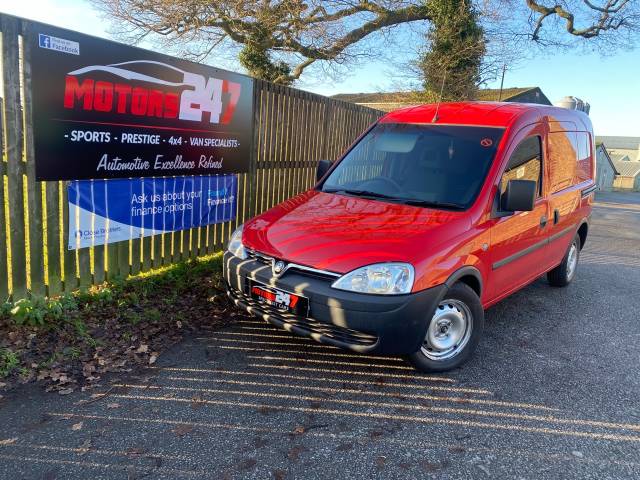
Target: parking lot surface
column 552, row 392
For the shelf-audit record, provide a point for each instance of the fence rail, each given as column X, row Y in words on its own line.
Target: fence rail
column 293, row 130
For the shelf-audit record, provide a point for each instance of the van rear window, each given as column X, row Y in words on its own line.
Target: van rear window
column 570, row 159
column 432, row 165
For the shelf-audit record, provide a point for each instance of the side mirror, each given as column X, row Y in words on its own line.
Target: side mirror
column 519, row 196
column 323, row 167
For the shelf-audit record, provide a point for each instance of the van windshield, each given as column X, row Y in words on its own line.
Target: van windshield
column 439, row 166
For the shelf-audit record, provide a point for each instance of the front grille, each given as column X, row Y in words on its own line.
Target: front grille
column 259, row 257
column 292, row 267
column 311, row 327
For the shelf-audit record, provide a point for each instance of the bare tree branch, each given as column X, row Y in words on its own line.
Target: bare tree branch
column 611, row 17
column 280, row 39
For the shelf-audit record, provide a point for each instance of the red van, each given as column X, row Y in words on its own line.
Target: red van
column 431, row 216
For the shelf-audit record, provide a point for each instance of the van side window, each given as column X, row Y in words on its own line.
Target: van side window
column 562, row 160
column 525, row 163
column 585, row 160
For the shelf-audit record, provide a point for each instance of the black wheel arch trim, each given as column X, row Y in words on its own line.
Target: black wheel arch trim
column 584, row 222
column 465, row 271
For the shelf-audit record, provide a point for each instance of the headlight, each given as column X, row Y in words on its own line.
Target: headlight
column 381, row 279
column 235, row 245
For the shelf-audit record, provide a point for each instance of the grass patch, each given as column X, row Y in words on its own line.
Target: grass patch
column 74, row 338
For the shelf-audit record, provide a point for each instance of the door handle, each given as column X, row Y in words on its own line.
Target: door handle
column 543, row 221
column 556, row 216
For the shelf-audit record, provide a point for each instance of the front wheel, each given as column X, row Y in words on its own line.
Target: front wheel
column 453, row 333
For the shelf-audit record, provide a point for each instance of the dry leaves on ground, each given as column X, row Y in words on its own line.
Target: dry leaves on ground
column 113, row 328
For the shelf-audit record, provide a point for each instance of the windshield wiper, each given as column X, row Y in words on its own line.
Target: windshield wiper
column 407, row 201
column 360, row 193
column 427, row 203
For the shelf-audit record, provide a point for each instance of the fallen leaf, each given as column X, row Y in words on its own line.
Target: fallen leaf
column 76, row 426
column 84, row 448
column 8, row 441
column 248, row 464
column 294, row 452
column 153, row 358
column 196, row 401
column 260, row 442
column 264, row 410
column 431, row 466
column 142, row 348
column 136, row 451
column 182, row 430
column 299, row 430
column 65, row 391
column 344, row 447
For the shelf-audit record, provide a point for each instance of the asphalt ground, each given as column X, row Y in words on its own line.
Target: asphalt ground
column 552, row 392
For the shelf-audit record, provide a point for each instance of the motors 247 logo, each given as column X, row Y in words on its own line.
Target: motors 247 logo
column 152, row 89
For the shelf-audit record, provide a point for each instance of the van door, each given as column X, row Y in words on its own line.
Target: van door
column 519, row 240
column 570, row 170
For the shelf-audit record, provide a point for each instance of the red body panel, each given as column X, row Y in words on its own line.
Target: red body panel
column 340, row 233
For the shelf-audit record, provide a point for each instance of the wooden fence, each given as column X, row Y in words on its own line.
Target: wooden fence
column 293, row 130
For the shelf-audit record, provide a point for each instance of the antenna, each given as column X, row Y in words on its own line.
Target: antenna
column 435, row 116
column 504, row 69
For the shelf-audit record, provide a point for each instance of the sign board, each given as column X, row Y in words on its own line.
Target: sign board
column 106, row 110
column 107, row 211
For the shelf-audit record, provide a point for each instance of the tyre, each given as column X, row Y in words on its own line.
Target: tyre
column 562, row 275
column 454, row 331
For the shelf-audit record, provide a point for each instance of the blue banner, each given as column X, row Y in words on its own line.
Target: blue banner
column 107, row 211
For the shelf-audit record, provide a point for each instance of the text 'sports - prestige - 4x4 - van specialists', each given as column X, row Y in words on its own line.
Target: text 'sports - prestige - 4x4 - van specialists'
column 427, row 220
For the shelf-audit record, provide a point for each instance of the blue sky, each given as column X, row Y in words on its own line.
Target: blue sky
column 610, row 84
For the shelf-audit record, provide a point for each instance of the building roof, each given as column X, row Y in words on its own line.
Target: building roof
column 512, row 94
column 620, row 157
column 627, row 169
column 620, row 143
column 603, row 149
column 388, row 101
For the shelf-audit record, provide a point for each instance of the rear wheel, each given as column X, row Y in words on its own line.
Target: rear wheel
column 453, row 333
column 562, row 275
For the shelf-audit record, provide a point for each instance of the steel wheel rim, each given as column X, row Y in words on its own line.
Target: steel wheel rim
column 449, row 331
column 572, row 261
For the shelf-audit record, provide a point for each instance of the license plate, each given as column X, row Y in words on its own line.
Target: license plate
column 279, row 299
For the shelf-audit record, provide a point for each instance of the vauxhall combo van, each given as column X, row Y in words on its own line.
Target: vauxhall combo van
column 434, row 214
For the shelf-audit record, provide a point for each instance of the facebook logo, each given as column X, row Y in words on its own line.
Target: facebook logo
column 58, row 44
column 44, row 41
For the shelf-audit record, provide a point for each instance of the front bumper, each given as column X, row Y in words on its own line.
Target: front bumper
column 365, row 323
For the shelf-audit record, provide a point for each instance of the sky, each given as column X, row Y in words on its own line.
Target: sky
column 610, row 84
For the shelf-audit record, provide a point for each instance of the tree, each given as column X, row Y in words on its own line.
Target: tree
column 279, row 39
column 584, row 18
column 455, row 50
